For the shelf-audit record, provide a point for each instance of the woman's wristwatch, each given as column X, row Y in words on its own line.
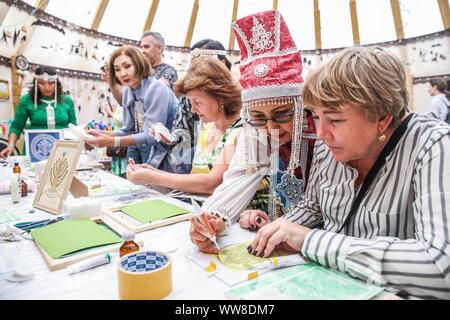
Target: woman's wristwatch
column 11, row 145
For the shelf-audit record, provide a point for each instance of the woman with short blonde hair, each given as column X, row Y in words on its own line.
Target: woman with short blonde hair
column 377, row 206
column 369, row 79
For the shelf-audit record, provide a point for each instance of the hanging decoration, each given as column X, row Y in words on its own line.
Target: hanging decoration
column 429, row 78
column 48, row 24
column 22, row 63
column 60, row 24
column 78, row 49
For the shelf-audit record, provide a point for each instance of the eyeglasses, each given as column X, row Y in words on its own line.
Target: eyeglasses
column 279, row 118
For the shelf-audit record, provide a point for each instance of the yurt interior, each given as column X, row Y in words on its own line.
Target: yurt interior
column 224, row 149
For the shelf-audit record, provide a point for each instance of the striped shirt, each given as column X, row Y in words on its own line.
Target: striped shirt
column 399, row 236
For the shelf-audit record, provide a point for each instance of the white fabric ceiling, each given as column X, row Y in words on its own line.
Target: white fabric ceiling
column 126, row 19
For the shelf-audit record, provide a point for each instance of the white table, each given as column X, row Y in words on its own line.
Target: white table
column 190, row 282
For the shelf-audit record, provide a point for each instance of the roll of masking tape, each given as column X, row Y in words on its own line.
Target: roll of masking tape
column 145, row 275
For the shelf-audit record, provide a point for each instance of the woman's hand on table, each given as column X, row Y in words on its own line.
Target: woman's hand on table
column 280, row 234
column 253, row 219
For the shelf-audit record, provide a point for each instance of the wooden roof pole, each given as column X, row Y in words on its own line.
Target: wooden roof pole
column 151, row 15
column 41, row 4
column 233, row 18
column 445, row 13
column 101, row 8
column 317, row 31
column 395, row 6
column 190, row 31
column 355, row 25
column 16, row 89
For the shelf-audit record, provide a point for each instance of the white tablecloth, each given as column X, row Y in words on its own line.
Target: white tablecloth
column 189, row 280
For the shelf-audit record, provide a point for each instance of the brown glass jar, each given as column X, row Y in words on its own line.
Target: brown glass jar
column 129, row 245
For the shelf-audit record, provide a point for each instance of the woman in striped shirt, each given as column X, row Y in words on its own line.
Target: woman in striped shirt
column 398, row 233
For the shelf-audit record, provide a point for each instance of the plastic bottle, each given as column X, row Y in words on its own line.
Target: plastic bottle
column 129, row 245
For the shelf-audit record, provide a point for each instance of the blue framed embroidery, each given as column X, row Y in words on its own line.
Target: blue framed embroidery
column 39, row 143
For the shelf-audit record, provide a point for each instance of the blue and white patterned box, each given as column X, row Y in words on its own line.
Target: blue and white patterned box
column 39, row 143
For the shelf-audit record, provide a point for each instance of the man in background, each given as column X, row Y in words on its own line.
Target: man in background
column 152, row 46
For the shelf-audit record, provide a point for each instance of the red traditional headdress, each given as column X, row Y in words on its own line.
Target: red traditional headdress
column 271, row 65
column 271, row 73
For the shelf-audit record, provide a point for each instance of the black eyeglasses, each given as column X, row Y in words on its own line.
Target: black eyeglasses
column 279, row 118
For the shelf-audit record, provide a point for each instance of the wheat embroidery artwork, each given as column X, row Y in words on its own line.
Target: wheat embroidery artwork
column 58, row 172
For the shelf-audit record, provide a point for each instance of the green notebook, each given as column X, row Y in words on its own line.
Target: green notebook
column 68, row 236
column 153, row 210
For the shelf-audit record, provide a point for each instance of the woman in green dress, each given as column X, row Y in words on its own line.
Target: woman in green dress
column 39, row 106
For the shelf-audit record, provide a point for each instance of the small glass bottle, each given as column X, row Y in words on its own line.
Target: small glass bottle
column 23, row 185
column 24, row 188
column 129, row 245
column 16, row 168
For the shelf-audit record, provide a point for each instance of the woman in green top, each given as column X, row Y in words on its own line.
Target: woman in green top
column 38, row 105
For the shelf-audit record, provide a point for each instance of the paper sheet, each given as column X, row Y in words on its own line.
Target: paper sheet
column 7, row 217
column 69, row 236
column 153, row 210
column 305, row 282
column 233, row 263
column 112, row 190
column 236, row 257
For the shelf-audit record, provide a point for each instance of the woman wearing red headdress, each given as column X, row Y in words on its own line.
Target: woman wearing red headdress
column 269, row 170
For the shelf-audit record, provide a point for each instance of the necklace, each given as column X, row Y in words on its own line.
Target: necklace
column 290, row 186
column 50, row 114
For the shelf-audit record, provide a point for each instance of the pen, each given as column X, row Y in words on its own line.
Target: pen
column 28, row 226
column 212, row 233
column 280, row 262
column 203, row 219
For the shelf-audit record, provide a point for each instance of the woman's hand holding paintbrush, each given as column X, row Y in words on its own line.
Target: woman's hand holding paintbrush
column 204, row 228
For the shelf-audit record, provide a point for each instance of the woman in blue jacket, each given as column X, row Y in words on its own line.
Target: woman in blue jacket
column 146, row 101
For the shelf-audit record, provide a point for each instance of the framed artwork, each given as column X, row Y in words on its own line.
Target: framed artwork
column 39, row 143
column 4, row 89
column 57, row 177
